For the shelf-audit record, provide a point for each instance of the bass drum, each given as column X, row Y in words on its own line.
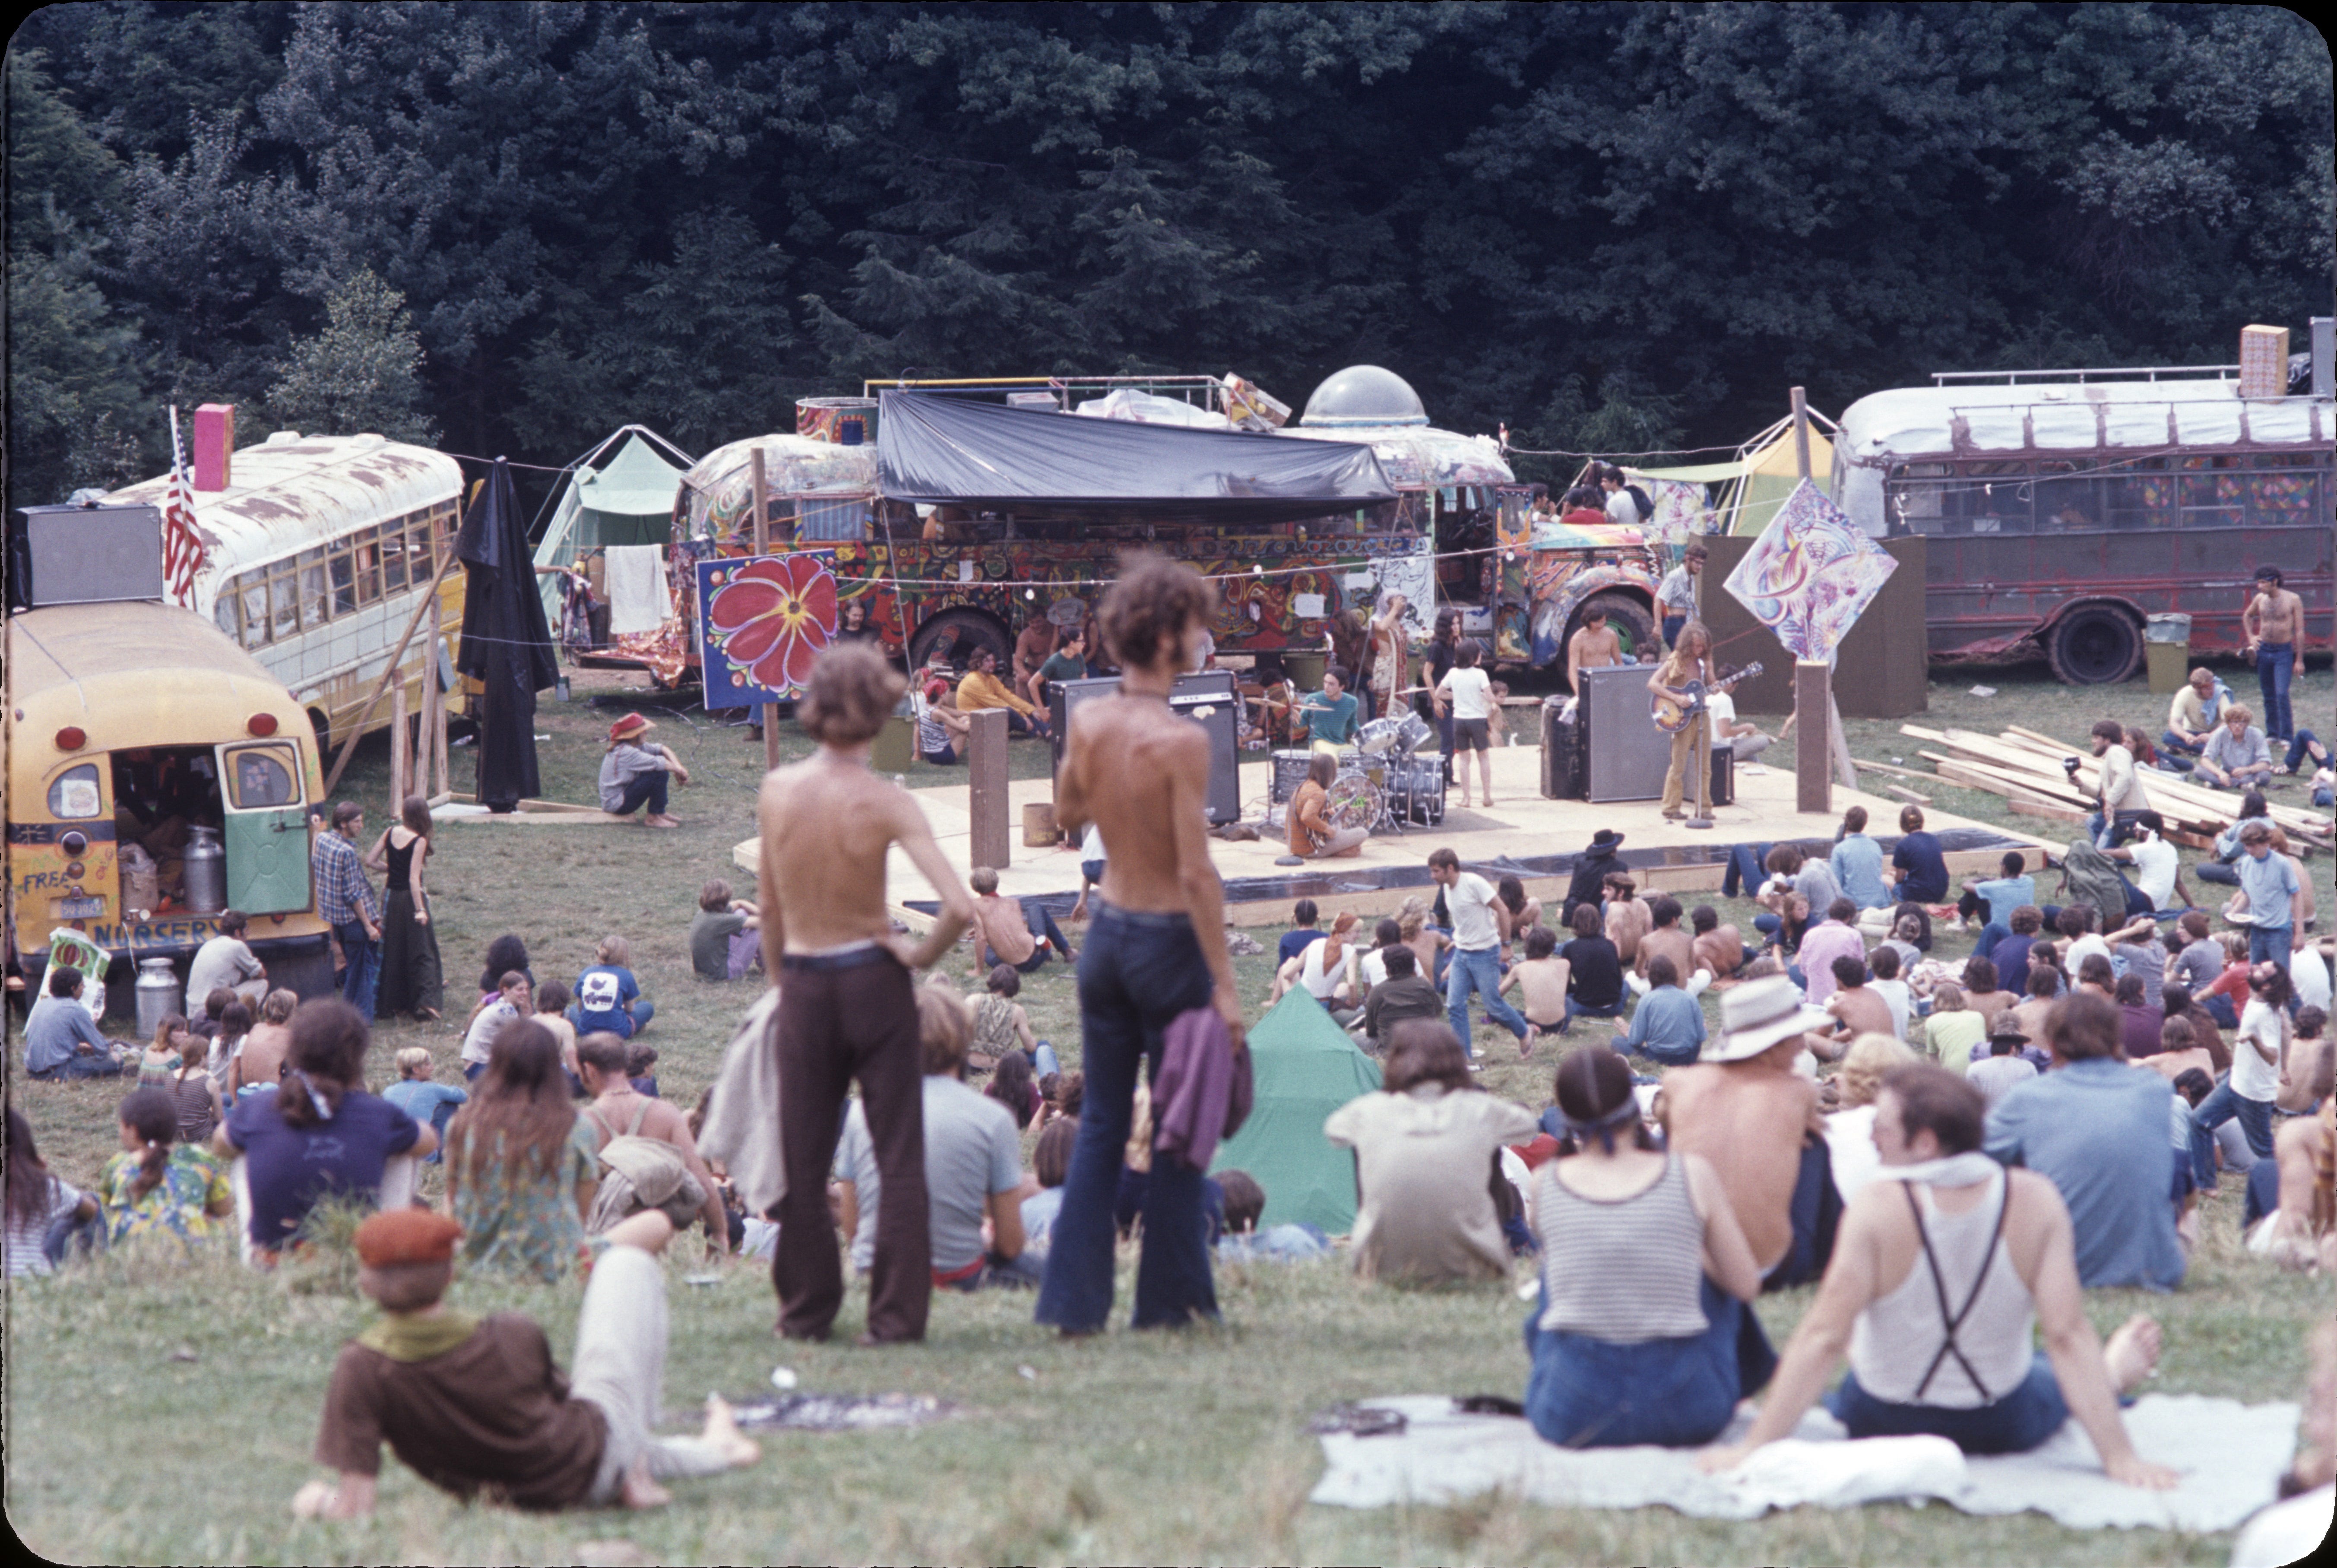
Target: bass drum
column 1415, row 792
column 1354, row 801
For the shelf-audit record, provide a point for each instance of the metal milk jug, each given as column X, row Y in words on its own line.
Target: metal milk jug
column 159, row 994
column 206, row 871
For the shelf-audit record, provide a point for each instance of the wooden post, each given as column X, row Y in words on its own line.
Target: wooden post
column 434, row 711
column 1813, row 682
column 986, row 779
column 401, row 748
column 768, row 714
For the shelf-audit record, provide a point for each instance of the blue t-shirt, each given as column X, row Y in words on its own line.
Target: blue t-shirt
column 1293, row 942
column 1857, row 863
column 2004, row 894
column 2098, row 1128
column 290, row 1168
column 426, row 1101
column 1667, row 1027
column 1332, row 721
column 1917, row 857
column 603, row 992
column 2270, row 883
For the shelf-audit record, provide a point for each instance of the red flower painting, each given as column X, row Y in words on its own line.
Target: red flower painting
column 772, row 619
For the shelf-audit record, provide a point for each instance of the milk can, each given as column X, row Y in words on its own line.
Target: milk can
column 206, row 862
column 159, row 994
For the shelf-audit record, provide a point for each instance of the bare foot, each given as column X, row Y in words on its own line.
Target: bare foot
column 2132, row 1353
column 657, row 820
column 722, row 1430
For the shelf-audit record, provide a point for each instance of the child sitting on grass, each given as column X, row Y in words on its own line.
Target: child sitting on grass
column 608, row 997
column 158, row 1185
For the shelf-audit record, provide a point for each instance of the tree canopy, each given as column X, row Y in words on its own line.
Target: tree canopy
column 1613, row 227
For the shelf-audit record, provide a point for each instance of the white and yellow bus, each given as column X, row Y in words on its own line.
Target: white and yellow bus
column 136, row 723
column 315, row 557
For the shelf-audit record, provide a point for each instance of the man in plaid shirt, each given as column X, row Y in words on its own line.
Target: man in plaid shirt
column 345, row 900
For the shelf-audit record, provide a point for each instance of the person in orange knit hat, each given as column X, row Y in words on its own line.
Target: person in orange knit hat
column 475, row 1404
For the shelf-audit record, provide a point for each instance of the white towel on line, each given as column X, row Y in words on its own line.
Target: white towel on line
column 2230, row 1454
column 634, row 575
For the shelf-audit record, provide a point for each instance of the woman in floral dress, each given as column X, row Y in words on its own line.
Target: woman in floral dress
column 520, row 1165
column 158, row 1186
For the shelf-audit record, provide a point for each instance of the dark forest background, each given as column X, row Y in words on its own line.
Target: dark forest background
column 511, row 227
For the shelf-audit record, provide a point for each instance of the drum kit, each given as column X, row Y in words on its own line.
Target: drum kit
column 1384, row 782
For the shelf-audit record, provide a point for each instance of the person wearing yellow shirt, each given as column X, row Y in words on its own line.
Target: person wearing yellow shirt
column 983, row 689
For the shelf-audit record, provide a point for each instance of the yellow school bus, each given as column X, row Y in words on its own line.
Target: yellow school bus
column 137, row 722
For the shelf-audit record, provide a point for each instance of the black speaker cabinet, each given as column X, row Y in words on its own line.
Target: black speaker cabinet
column 1206, row 698
column 1627, row 756
column 1724, row 776
column 1561, row 756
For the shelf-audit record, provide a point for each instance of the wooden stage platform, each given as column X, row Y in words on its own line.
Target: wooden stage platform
column 1522, row 835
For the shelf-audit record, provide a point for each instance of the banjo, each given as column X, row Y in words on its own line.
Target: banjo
column 1672, row 717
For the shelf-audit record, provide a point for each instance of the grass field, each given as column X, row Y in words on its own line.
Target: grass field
column 165, row 1415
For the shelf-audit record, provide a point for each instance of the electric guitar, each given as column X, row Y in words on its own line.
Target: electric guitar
column 1671, row 717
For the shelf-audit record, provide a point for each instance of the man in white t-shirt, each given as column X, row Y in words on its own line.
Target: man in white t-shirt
column 225, row 962
column 1676, row 595
column 2157, row 867
column 1729, row 732
column 1476, row 949
column 1467, row 691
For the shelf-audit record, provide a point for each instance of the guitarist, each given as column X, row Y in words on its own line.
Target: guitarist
column 1680, row 679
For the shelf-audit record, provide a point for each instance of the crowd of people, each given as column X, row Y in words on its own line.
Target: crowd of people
column 2059, row 1098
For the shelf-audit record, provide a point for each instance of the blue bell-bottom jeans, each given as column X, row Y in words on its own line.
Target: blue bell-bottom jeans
column 1136, row 972
column 1591, row 1393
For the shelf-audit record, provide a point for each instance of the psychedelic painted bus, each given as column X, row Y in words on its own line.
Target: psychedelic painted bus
column 917, row 565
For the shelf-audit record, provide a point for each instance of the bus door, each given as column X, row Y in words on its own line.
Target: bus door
column 267, row 827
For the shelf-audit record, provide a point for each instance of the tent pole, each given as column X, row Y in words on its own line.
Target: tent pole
column 769, row 712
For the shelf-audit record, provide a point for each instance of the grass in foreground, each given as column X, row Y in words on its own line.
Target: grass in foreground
column 1150, row 1447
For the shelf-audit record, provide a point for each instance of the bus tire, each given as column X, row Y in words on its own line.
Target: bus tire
column 2095, row 645
column 305, row 974
column 969, row 629
column 1627, row 615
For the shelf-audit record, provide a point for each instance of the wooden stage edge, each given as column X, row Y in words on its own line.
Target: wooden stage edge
column 1522, row 835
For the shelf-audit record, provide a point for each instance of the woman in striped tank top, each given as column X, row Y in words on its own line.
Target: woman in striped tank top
column 1641, row 1335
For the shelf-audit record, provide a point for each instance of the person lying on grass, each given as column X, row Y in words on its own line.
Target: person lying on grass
column 1926, row 1233
column 475, row 1404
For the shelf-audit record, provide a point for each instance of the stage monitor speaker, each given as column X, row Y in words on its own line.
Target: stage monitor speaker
column 1627, row 756
column 1206, row 698
column 1561, row 755
column 1724, row 776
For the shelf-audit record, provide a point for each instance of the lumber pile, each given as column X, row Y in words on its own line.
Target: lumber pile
column 2026, row 769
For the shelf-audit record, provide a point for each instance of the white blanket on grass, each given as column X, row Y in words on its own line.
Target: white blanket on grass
column 2230, row 1454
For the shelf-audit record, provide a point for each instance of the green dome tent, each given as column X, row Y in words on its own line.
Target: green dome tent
column 1305, row 1067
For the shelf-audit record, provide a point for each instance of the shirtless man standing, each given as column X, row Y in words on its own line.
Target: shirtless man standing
column 1744, row 1109
column 1155, row 948
column 847, row 1008
column 2274, row 623
column 1593, row 647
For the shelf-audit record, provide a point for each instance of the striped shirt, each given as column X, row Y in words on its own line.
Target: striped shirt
column 1626, row 1270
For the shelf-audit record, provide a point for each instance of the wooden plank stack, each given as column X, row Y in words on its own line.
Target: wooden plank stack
column 2026, row 769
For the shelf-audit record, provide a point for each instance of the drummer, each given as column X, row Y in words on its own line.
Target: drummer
column 1311, row 833
column 1331, row 713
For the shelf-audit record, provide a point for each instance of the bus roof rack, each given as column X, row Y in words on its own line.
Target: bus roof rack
column 2124, row 373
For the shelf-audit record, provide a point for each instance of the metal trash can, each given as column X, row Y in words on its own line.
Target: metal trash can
column 2166, row 649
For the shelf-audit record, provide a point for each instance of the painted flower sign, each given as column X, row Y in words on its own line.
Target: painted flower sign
column 764, row 619
column 1811, row 573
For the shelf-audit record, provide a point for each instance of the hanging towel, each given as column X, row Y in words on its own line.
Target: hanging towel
column 637, row 600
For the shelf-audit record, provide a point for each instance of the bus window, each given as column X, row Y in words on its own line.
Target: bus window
column 263, row 776
column 2067, row 504
column 224, row 612
column 417, row 548
column 75, row 794
column 844, row 521
column 345, row 591
column 283, row 613
column 365, row 551
column 314, row 604
column 254, row 593
column 393, row 556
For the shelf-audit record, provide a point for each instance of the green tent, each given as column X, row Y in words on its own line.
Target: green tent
column 619, row 493
column 1305, row 1067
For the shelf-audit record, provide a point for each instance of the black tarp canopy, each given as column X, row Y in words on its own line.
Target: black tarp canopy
column 506, row 643
column 960, row 451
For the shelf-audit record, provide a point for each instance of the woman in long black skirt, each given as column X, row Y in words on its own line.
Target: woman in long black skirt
column 410, row 979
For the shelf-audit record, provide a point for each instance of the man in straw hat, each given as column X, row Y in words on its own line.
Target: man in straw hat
column 1995, row 1073
column 1745, row 1109
column 475, row 1404
column 1955, row 1361
column 634, row 774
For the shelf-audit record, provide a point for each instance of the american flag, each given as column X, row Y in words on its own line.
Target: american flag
column 183, row 547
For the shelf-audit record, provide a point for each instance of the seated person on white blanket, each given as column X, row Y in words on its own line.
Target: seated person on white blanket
column 1927, row 1230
